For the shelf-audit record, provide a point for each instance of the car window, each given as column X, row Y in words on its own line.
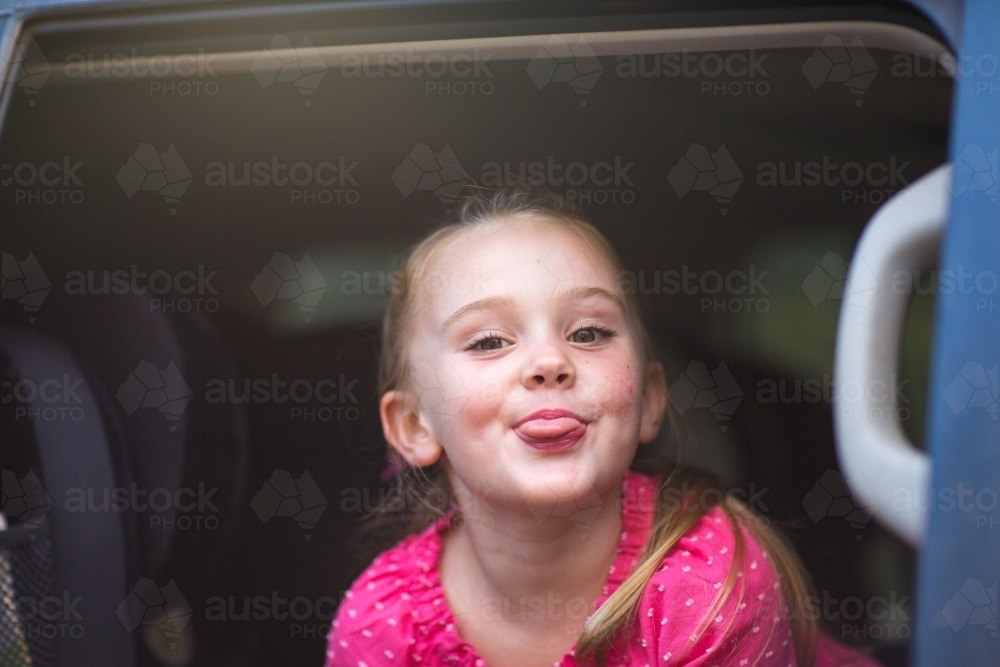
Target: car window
column 269, row 183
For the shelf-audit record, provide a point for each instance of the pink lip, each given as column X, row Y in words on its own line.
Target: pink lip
column 551, row 429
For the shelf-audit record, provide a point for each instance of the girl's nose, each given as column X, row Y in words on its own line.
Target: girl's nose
column 549, row 367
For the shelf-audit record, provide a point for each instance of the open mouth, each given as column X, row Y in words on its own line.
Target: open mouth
column 551, row 430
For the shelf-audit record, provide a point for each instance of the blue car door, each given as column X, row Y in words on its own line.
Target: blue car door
column 960, row 560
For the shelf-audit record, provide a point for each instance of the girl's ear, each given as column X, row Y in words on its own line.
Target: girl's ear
column 405, row 430
column 654, row 402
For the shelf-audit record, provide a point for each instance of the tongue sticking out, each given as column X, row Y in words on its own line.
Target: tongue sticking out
column 549, row 429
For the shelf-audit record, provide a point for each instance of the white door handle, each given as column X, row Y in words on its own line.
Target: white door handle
column 886, row 473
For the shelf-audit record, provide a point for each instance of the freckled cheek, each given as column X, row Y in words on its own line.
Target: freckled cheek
column 628, row 391
column 471, row 435
column 474, row 402
column 619, row 396
column 618, row 389
column 468, row 382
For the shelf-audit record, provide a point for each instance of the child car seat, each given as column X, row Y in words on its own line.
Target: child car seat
column 101, row 403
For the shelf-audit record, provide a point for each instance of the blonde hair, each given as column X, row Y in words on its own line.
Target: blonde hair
column 431, row 495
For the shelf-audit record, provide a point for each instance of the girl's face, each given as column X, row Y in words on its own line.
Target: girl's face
column 526, row 373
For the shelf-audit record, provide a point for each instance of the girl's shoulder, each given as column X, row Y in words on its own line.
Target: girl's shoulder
column 708, row 552
column 706, row 557
column 683, row 615
column 378, row 615
column 685, row 610
column 396, row 607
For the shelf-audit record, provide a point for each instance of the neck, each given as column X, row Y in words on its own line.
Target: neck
column 518, row 568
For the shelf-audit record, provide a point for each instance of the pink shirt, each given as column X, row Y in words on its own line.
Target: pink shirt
column 396, row 613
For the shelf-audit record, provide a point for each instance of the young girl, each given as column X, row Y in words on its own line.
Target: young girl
column 515, row 368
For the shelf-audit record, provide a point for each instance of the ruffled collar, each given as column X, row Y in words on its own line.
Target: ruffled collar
column 436, row 635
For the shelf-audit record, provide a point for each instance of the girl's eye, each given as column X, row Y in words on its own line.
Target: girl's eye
column 488, row 343
column 590, row 335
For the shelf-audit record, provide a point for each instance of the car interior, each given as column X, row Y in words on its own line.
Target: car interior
column 203, row 214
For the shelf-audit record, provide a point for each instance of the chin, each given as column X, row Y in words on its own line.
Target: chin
column 559, row 485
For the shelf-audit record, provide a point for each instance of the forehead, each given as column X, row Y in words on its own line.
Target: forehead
column 523, row 258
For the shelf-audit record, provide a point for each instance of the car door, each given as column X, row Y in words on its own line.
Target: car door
column 959, row 568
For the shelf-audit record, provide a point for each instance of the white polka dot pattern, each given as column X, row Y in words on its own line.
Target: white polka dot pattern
column 396, row 612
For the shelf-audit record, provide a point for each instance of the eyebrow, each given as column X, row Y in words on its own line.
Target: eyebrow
column 589, row 292
column 494, row 302
column 488, row 303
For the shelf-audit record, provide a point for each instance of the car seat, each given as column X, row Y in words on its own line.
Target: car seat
column 97, row 407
